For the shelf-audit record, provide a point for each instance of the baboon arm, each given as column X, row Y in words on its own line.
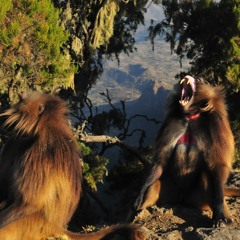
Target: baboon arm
column 166, row 141
column 167, row 138
column 154, row 175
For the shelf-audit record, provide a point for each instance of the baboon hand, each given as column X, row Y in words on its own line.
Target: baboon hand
column 219, row 219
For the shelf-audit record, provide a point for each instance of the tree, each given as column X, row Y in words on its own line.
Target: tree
column 206, row 32
column 47, row 47
column 30, row 48
column 233, row 69
column 98, row 29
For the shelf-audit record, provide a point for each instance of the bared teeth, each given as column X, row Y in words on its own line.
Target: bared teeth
column 189, row 80
column 186, row 93
column 183, row 80
column 183, row 102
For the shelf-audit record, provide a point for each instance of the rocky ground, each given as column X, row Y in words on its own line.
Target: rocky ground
column 178, row 222
column 181, row 223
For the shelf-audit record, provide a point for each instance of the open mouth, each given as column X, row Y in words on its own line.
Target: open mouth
column 188, row 89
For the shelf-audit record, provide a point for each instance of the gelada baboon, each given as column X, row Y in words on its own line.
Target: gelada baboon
column 193, row 152
column 41, row 173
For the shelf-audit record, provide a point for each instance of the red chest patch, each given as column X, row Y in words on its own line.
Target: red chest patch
column 187, row 138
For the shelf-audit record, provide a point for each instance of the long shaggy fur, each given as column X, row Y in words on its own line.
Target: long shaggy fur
column 193, row 152
column 41, row 173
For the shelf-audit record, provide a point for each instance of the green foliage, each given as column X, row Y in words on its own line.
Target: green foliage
column 233, row 69
column 236, row 130
column 30, row 48
column 94, row 166
column 5, row 6
column 7, row 35
column 207, row 33
column 104, row 23
column 99, row 28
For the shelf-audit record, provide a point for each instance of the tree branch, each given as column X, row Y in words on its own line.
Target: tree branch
column 83, row 136
column 98, row 138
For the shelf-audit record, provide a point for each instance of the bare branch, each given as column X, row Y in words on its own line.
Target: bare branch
column 83, row 136
column 98, row 138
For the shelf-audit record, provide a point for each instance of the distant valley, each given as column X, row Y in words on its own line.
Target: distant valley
column 128, row 80
column 143, row 79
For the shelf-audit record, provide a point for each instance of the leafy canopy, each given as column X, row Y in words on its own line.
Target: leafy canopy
column 30, row 48
column 207, row 32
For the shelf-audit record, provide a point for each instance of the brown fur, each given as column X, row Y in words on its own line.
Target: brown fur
column 195, row 173
column 41, row 173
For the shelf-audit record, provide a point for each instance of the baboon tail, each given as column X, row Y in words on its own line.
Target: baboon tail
column 125, row 231
column 232, row 192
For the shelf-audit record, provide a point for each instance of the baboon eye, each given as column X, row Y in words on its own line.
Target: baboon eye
column 204, row 103
column 41, row 108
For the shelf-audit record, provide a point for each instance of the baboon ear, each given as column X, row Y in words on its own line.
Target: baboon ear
column 41, row 108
